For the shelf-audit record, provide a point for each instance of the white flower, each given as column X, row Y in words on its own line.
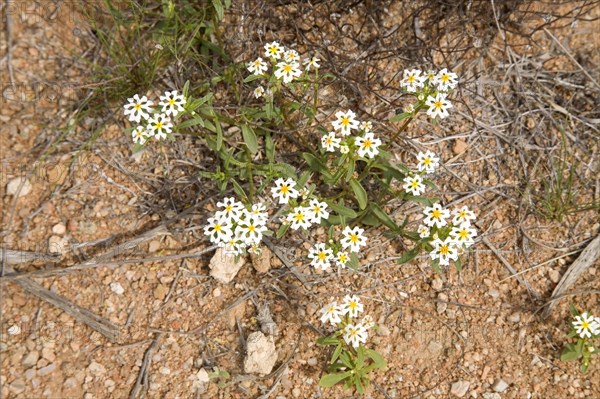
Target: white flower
column 299, row 218
column 414, row 185
column 345, row 122
column 138, row 108
column 353, row 238
column 303, row 193
column 317, row 210
column 259, row 211
column 423, row 231
column 331, row 313
column 368, row 321
column 249, row 229
column 287, row 71
column 430, row 75
column 366, row 126
column 445, row 80
column 438, row 106
column 273, row 50
column 409, row 109
column 312, row 62
column 463, row 234
column 159, row 126
column 172, row 103
column 367, row 145
column 259, row 92
column 352, row 305
column 320, row 256
column 344, row 149
column 284, row 190
column 586, row 325
column 412, row 80
column 342, row 258
column 291, row 56
column 436, row 216
column 444, row 251
column 140, row 135
column 355, row 334
column 329, row 142
column 463, row 215
column 257, row 67
column 219, row 230
column 428, row 162
column 232, row 209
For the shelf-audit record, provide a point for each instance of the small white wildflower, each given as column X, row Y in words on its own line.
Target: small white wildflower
column 231, row 209
column 259, row 92
column 367, row 145
column 344, row 149
column 299, row 218
column 586, row 325
column 353, row 238
column 428, row 162
column 159, row 126
column 366, row 126
column 412, row 80
column 368, row 321
column 312, row 62
column 257, row 67
column 463, row 234
column 218, row 230
column 355, row 334
column 409, row 109
column 291, row 56
column 445, row 80
column 345, row 122
column 438, row 106
column 342, row 258
column 317, row 211
column 138, row 108
column 330, row 142
column 444, row 251
column 140, row 135
column 273, row 50
column 414, row 185
column 423, row 231
column 436, row 216
column 331, row 313
column 352, row 306
column 320, row 256
column 287, row 71
column 463, row 215
column 249, row 229
column 172, row 103
column 284, row 190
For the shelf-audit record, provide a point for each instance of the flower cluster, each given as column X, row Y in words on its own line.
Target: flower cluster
column 427, row 163
column 153, row 124
column 449, row 236
column 322, row 255
column 586, row 325
column 236, row 228
column 432, row 87
column 365, row 143
column 341, row 315
column 284, row 62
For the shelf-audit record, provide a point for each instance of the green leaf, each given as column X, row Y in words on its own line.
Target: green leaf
column 350, row 171
column 252, row 77
column 250, row 139
column 569, row 353
column 239, row 190
column 336, row 353
column 342, row 210
column 218, row 6
column 191, row 122
column 383, row 217
column 410, row 255
column 346, row 359
column 186, row 89
column 573, row 310
column 329, row 380
column 435, row 265
column 219, row 143
column 315, row 164
column 282, row 230
column 361, row 194
column 269, row 147
column 360, row 357
column 353, row 261
column 458, row 264
column 400, row 117
column 304, row 179
column 379, row 361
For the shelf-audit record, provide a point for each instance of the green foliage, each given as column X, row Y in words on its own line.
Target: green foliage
column 583, row 348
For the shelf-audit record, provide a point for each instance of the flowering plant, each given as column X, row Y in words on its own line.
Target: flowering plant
column 351, row 362
column 586, row 328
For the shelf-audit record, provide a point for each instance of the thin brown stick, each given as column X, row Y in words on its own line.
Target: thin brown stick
column 142, row 378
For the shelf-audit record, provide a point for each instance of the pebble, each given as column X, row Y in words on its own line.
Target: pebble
column 499, row 385
column 117, row 288
column 30, row 374
column 437, row 284
column 491, row 395
column 17, row 386
column 48, row 354
column 554, row 275
column 494, row 293
column 59, row 229
column 223, row 266
column 460, row 388
column 459, row 146
column 31, row 359
column 514, row 318
column 58, row 245
column 96, row 369
column 216, row 292
column 160, row 292
column 153, row 246
column 13, row 186
column 312, row 361
column 165, row 370
column 72, row 225
column 46, row 370
column 383, row 331
column 261, row 354
column 442, row 306
column 296, row 392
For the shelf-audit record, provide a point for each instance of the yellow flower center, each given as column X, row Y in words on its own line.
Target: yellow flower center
column 352, row 305
column 251, row 228
column 464, row 234
column 411, row 79
column 138, row 106
column 217, row 227
column 343, row 258
column 316, row 209
column 436, row 213
column 299, row 217
column 438, row 104
column 287, row 68
column 328, row 141
column 585, row 325
column 284, row 189
column 414, row 184
column 353, row 332
column 462, row 214
column 322, row 255
column 427, row 161
column 354, row 238
column 367, row 143
column 228, row 208
column 444, row 250
column 345, row 121
column 445, row 78
column 172, row 101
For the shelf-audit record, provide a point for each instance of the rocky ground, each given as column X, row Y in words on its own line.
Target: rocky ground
column 169, row 322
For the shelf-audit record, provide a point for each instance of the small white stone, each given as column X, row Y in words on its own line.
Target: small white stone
column 13, row 186
column 460, row 388
column 14, row 330
column 117, row 288
column 59, row 229
column 499, row 385
column 58, row 245
column 165, row 370
column 223, row 266
column 261, row 354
